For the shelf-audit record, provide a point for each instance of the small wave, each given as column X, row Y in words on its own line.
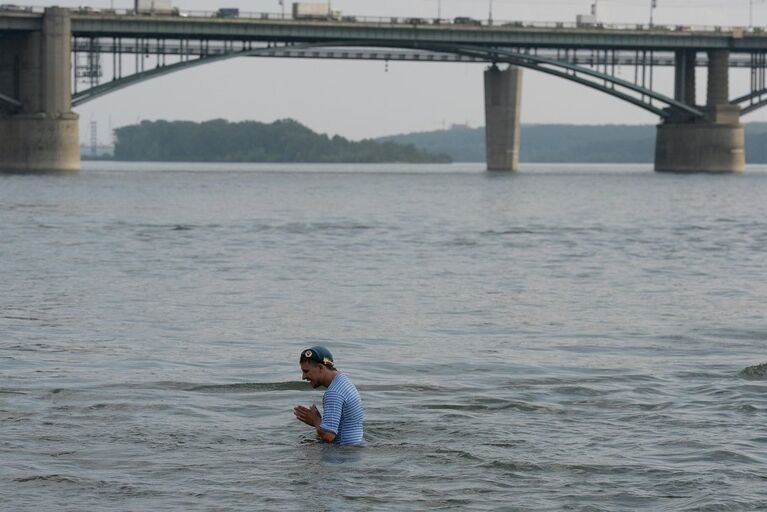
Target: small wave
column 613, row 377
column 711, row 504
column 757, row 372
column 578, row 391
column 11, row 392
column 521, row 467
column 418, row 388
column 28, row 318
column 44, row 348
column 721, row 334
column 47, row 478
column 460, row 242
column 249, row 387
column 507, row 232
column 495, row 405
column 300, row 228
column 733, row 456
column 543, row 230
column 197, row 387
column 459, row 454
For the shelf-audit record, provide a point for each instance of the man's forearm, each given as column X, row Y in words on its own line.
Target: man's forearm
column 326, row 436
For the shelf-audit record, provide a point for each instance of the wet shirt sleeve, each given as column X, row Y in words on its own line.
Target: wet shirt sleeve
column 332, row 404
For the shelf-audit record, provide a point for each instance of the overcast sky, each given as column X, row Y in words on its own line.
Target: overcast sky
column 365, row 99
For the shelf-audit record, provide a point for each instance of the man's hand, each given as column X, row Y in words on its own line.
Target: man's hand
column 311, row 416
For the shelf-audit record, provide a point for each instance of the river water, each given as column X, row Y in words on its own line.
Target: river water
column 566, row 338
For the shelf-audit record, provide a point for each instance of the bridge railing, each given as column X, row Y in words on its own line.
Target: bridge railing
column 457, row 22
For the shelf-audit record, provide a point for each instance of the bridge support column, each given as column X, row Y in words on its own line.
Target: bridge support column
column 503, row 96
column 714, row 144
column 684, row 76
column 42, row 133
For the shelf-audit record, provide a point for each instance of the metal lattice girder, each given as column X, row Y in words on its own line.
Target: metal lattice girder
column 287, row 51
column 573, row 56
column 210, row 55
column 120, row 83
column 756, row 98
column 753, row 106
column 479, row 54
column 606, row 83
column 751, row 101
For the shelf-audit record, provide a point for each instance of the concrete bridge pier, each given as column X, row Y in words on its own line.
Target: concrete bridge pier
column 503, row 96
column 713, row 144
column 41, row 134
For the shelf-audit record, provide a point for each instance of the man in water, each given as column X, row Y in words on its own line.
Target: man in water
column 342, row 413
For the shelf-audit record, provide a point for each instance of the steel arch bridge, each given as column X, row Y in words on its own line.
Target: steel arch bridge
column 594, row 69
column 594, row 56
column 581, row 69
column 54, row 52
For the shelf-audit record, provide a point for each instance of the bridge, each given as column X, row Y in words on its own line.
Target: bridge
column 54, row 59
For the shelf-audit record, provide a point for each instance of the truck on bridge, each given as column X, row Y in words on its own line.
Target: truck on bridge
column 314, row 11
column 154, row 7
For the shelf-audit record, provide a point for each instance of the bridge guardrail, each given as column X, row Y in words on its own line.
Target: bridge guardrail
column 458, row 22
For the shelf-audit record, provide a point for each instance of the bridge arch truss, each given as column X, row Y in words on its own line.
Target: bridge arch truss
column 105, row 65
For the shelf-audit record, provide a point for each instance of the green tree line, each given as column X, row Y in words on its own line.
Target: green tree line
column 250, row 141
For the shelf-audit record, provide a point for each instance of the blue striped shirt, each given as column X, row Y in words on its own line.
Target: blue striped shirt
column 342, row 411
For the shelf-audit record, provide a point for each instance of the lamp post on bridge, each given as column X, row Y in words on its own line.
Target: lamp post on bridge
column 490, row 16
column 653, row 5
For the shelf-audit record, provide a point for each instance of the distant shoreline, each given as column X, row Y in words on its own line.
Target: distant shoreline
column 287, row 141
column 568, row 143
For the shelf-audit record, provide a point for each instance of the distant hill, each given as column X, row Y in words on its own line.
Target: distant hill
column 567, row 143
column 250, row 141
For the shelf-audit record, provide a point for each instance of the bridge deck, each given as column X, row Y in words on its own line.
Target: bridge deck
column 395, row 32
column 398, row 34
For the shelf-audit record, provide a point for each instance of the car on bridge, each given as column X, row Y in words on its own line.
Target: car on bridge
column 14, row 7
column 228, row 12
column 464, row 20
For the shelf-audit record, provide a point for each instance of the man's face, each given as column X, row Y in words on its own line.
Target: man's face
column 312, row 373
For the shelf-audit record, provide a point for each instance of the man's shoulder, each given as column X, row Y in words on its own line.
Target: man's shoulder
column 341, row 384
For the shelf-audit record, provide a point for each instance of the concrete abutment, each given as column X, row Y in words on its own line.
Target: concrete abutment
column 701, row 147
column 37, row 143
column 42, row 135
column 713, row 144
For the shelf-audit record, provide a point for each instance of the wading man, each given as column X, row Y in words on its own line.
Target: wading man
column 342, row 413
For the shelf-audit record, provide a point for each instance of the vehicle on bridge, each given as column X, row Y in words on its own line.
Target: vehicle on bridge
column 586, row 20
column 14, row 7
column 154, row 7
column 464, row 20
column 228, row 12
column 314, row 11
